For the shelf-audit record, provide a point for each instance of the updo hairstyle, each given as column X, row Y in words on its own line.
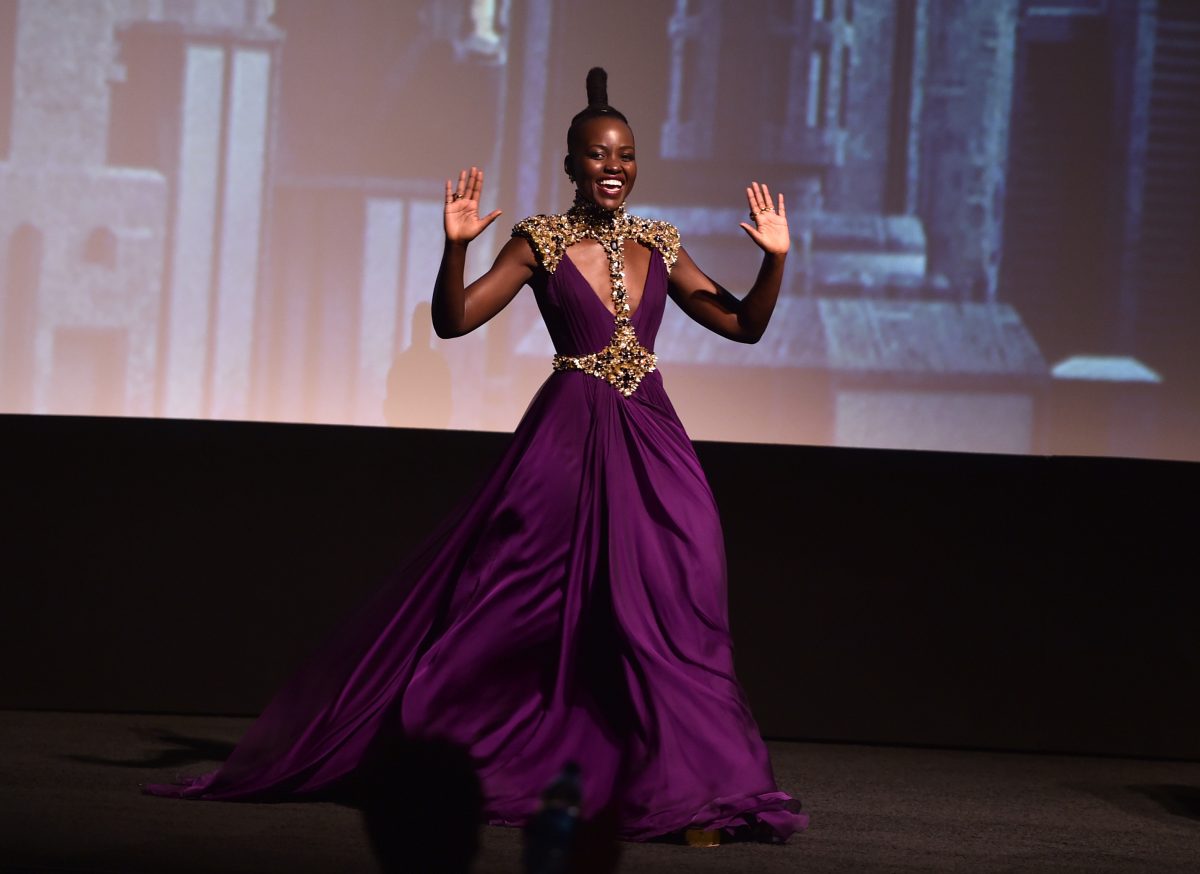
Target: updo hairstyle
column 598, row 107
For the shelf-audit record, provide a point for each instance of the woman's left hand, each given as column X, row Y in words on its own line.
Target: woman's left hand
column 770, row 228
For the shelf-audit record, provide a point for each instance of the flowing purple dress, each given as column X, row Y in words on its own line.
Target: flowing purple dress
column 573, row 609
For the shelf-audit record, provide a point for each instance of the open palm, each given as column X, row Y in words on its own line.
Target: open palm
column 770, row 228
column 461, row 218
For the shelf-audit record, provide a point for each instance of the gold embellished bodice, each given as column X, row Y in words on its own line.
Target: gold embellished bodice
column 624, row 361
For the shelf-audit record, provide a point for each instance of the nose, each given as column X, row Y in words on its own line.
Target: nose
column 611, row 165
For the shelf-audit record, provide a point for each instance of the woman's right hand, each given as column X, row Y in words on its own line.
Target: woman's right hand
column 461, row 218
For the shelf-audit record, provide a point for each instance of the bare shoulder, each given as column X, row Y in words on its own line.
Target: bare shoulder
column 518, row 250
column 686, row 274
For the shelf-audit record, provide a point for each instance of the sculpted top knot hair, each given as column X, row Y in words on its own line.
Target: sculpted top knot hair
column 598, row 106
column 597, row 87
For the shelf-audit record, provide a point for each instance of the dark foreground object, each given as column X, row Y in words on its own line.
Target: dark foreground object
column 69, row 802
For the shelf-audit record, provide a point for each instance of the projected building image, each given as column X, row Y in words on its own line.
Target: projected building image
column 216, row 209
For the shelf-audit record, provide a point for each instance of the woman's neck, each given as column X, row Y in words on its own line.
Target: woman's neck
column 593, row 214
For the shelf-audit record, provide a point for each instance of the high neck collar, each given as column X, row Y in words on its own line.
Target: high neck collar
column 595, row 216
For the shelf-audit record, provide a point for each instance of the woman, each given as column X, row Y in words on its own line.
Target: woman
column 574, row 608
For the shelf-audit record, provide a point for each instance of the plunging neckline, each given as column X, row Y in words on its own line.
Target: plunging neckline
column 596, row 295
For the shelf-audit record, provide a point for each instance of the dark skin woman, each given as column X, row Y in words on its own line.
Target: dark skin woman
column 567, row 627
column 603, row 164
column 640, row 587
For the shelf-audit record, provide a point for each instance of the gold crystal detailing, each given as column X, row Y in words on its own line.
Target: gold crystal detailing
column 624, row 362
column 551, row 235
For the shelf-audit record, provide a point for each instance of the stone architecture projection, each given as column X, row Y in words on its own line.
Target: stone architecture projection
column 231, row 208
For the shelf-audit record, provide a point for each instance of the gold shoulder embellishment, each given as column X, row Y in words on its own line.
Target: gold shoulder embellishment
column 547, row 234
column 663, row 236
column 551, row 235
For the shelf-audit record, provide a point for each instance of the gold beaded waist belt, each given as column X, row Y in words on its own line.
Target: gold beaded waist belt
column 622, row 363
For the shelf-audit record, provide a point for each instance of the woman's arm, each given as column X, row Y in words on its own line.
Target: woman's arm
column 715, row 308
column 457, row 308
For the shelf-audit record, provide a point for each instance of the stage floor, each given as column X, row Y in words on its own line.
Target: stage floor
column 69, row 801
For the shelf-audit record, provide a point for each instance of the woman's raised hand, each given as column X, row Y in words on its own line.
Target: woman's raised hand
column 770, row 228
column 461, row 218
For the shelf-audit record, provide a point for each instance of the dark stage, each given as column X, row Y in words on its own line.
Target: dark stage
column 884, row 604
column 69, row 802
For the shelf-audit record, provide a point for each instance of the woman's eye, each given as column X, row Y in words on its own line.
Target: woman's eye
column 627, row 157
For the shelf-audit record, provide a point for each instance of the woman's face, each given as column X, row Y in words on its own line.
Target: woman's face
column 603, row 163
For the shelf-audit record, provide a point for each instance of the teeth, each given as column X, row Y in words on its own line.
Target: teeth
column 610, row 183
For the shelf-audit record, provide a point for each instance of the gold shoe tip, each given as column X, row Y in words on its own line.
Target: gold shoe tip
column 699, row 837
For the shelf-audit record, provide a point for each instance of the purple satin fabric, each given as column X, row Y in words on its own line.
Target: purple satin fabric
column 573, row 608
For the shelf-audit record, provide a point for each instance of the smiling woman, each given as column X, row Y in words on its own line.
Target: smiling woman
column 574, row 609
column 601, row 156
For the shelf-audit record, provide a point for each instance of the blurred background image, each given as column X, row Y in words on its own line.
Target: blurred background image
column 231, row 209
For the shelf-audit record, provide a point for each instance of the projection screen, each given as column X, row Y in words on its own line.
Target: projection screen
column 231, row 209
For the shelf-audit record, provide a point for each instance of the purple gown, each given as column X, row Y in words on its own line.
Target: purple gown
column 573, row 608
